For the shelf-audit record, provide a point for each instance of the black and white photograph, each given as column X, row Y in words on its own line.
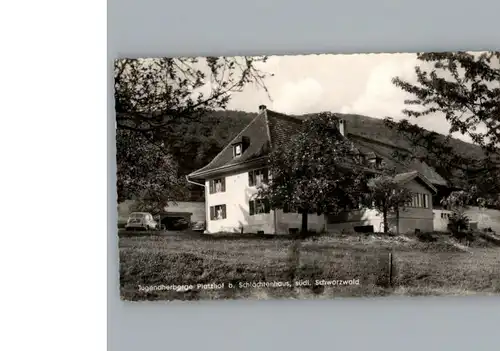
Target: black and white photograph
column 308, row 176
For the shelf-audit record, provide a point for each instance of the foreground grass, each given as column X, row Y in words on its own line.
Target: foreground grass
column 442, row 267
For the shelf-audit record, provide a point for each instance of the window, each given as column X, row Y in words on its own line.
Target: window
column 259, row 206
column 217, row 212
column 237, row 150
column 420, row 201
column 258, row 177
column 217, row 185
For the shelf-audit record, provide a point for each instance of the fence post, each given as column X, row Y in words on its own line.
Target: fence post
column 390, row 269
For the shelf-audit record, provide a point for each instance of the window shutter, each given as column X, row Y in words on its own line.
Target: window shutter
column 224, row 211
column 223, row 180
column 251, row 181
column 212, row 213
column 266, row 175
column 211, row 186
column 267, row 206
column 251, row 206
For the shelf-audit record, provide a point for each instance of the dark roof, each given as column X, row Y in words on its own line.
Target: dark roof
column 267, row 128
column 403, row 178
column 270, row 128
column 385, row 152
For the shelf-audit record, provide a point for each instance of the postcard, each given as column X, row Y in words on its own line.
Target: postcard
column 308, row 176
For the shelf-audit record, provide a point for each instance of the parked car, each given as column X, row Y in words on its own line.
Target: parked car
column 198, row 226
column 180, row 224
column 141, row 220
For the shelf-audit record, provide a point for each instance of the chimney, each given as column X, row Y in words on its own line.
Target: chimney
column 342, row 127
column 262, row 108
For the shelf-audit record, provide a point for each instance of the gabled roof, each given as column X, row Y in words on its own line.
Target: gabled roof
column 266, row 129
column 403, row 178
column 385, row 152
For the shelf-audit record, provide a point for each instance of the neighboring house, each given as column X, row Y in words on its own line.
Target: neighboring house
column 416, row 215
column 232, row 177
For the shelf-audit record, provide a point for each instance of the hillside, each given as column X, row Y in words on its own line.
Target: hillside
column 375, row 128
column 370, row 127
column 194, row 145
column 205, row 139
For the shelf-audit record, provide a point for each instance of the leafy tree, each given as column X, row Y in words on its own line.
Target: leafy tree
column 316, row 171
column 464, row 89
column 153, row 95
column 387, row 196
column 163, row 108
column 146, row 172
column 458, row 202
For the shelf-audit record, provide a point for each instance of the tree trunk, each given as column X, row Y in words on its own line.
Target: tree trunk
column 397, row 221
column 386, row 225
column 303, row 229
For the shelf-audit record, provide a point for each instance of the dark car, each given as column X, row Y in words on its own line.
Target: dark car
column 180, row 224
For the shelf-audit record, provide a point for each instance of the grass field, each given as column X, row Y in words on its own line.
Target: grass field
column 439, row 267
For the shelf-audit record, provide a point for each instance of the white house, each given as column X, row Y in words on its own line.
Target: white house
column 232, row 177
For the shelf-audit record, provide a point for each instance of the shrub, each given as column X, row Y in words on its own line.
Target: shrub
column 425, row 236
column 458, row 222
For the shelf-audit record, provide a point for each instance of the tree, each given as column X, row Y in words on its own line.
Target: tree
column 464, row 89
column 316, row 171
column 153, row 95
column 387, row 196
column 458, row 202
column 159, row 103
column 145, row 172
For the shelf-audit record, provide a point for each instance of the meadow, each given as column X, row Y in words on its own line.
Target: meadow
column 328, row 266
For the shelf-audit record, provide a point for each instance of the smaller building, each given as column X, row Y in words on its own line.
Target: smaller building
column 416, row 215
column 172, row 214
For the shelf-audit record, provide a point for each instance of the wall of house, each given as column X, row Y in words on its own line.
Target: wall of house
column 409, row 219
column 364, row 217
column 440, row 220
column 417, row 218
column 236, row 198
column 124, row 209
column 485, row 218
column 287, row 221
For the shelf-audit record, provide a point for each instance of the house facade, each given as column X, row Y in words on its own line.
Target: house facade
column 418, row 214
column 232, row 206
column 232, row 178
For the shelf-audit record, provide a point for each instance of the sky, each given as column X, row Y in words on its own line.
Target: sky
column 359, row 84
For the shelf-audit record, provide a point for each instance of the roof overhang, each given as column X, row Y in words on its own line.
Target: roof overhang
column 175, row 214
column 422, row 178
column 232, row 168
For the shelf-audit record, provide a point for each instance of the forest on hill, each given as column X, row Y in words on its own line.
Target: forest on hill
column 195, row 144
column 202, row 141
